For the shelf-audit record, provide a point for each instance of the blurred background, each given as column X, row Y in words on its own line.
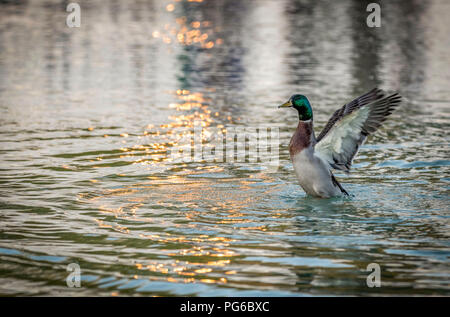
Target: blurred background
column 89, row 115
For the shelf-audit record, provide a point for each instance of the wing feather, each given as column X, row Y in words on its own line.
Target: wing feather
column 349, row 127
column 348, row 108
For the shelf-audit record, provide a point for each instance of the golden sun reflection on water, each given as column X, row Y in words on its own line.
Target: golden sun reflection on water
column 185, row 271
column 151, row 148
column 198, row 33
column 188, row 258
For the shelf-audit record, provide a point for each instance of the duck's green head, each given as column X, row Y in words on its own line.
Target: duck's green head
column 302, row 105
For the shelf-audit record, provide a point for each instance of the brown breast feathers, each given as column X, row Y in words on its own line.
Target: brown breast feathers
column 302, row 137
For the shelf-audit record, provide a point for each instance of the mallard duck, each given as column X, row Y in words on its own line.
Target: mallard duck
column 336, row 146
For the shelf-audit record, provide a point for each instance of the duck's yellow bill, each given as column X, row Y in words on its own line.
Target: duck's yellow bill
column 286, row 104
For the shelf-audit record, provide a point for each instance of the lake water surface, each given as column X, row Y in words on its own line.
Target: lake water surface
column 89, row 116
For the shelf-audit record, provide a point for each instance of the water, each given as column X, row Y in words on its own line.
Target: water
column 88, row 117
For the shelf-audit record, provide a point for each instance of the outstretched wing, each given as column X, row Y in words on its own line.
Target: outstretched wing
column 349, row 127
